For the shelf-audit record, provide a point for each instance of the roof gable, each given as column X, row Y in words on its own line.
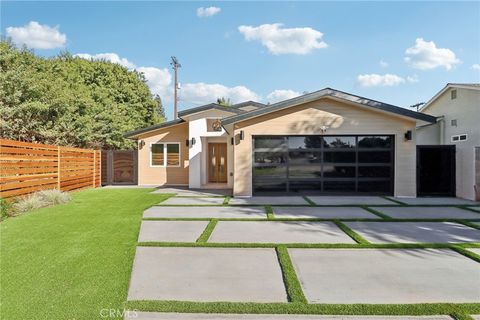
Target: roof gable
column 206, row 107
column 328, row 92
column 472, row 86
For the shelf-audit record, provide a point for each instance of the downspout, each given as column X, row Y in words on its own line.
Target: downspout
column 441, row 121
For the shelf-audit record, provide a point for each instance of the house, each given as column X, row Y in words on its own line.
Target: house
column 325, row 142
column 457, row 108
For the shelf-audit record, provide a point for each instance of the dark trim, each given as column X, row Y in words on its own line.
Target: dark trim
column 328, row 92
column 208, row 107
column 134, row 133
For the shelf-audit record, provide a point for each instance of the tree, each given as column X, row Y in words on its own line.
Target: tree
column 160, row 110
column 71, row 101
column 224, row 102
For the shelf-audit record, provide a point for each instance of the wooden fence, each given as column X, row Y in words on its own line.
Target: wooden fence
column 28, row 167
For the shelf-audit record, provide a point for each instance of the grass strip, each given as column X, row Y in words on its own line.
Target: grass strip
column 461, row 316
column 269, row 211
column 469, row 224
column 468, row 209
column 207, row 232
column 467, row 253
column 310, row 202
column 302, row 308
column 292, row 284
column 312, row 245
column 395, row 200
column 352, row 234
column 226, row 200
column 377, row 213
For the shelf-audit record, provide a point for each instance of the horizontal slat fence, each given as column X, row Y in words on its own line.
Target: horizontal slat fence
column 28, row 167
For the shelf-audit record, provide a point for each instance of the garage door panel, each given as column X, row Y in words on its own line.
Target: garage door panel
column 323, row 164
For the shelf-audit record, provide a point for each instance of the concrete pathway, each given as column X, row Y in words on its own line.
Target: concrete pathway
column 428, row 213
column 323, row 212
column 435, row 201
column 278, row 232
column 197, row 201
column 414, row 232
column 135, row 315
column 207, row 274
column 288, row 200
column 206, row 212
column 353, row 200
column 171, row 231
column 386, row 275
column 474, row 250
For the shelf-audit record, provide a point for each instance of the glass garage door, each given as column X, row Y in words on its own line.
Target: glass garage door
column 323, row 164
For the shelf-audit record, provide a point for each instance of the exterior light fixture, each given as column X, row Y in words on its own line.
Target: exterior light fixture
column 242, row 135
column 193, row 142
column 232, row 141
column 408, row 135
column 187, row 142
column 141, row 144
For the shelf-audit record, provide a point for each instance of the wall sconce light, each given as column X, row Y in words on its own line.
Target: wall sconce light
column 187, row 142
column 193, row 142
column 141, row 144
column 408, row 135
column 242, row 135
column 232, row 141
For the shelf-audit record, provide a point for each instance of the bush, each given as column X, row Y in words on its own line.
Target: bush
column 5, row 209
column 28, row 203
column 54, row 196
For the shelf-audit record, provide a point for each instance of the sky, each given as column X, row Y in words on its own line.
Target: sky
column 400, row 53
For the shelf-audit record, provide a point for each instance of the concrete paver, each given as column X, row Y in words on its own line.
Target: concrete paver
column 434, row 201
column 278, row 232
column 475, row 208
column 350, row 200
column 198, row 201
column 386, row 275
column 323, row 212
column 205, row 212
column 171, row 231
column 415, row 232
column 428, row 213
column 288, row 200
column 132, row 315
column 207, row 274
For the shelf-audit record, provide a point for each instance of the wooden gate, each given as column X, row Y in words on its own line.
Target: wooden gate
column 119, row 167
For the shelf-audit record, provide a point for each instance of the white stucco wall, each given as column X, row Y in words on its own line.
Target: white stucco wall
column 466, row 110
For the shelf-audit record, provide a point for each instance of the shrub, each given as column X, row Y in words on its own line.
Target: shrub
column 54, row 196
column 28, row 203
column 5, row 208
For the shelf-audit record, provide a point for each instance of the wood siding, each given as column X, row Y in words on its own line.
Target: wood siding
column 339, row 118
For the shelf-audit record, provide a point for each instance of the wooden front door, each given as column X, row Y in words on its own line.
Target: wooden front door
column 217, row 162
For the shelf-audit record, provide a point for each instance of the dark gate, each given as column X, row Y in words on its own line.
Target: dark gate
column 119, row 167
column 436, row 170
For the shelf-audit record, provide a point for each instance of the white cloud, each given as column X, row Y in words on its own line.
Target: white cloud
column 476, row 66
column 425, row 55
column 383, row 64
column 112, row 57
column 159, row 81
column 281, row 40
column 204, row 93
column 37, row 36
column 207, row 12
column 413, row 79
column 280, row 95
column 378, row 80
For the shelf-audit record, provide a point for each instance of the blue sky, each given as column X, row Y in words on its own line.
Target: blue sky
column 282, row 50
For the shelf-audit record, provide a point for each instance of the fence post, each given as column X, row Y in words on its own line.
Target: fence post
column 94, row 166
column 58, row 168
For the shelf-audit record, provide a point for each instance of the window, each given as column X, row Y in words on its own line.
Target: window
column 453, row 94
column 214, row 125
column 165, row 153
column 453, row 122
column 459, row 137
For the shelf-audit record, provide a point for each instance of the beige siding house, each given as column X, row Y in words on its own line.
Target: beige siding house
column 457, row 108
column 325, row 142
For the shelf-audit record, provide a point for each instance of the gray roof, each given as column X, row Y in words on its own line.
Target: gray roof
column 207, row 107
column 329, row 92
column 133, row 133
column 248, row 103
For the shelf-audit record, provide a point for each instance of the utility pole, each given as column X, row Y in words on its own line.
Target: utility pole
column 175, row 65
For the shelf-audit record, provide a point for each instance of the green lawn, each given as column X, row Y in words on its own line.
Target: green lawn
column 71, row 261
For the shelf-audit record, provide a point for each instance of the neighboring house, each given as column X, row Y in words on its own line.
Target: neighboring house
column 327, row 142
column 457, row 108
